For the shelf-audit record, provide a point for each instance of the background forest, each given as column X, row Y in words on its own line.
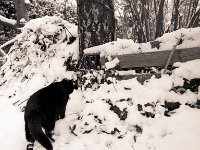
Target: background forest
column 140, row 20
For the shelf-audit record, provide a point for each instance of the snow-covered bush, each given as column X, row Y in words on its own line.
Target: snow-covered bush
column 38, row 55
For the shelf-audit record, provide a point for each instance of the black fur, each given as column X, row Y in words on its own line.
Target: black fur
column 43, row 109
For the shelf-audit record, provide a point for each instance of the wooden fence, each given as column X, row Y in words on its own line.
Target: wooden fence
column 150, row 59
column 158, row 58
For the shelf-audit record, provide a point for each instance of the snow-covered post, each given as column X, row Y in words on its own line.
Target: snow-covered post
column 96, row 23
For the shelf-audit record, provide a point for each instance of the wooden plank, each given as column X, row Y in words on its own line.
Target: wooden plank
column 158, row 58
column 140, row 77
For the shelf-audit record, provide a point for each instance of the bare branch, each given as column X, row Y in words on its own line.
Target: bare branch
column 9, row 42
column 8, row 22
column 194, row 19
column 2, row 53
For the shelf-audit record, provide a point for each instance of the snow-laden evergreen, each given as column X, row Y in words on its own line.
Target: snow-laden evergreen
column 38, row 55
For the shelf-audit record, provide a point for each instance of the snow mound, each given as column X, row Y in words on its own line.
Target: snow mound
column 188, row 70
column 128, row 115
column 38, row 56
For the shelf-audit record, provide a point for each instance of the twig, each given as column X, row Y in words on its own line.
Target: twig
column 69, row 31
column 171, row 55
column 16, row 102
column 74, row 113
column 114, row 85
column 22, row 102
column 2, row 53
column 8, row 42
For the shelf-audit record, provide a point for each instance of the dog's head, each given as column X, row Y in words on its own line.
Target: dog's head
column 69, row 85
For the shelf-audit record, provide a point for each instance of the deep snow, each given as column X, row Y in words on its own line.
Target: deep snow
column 107, row 117
column 93, row 123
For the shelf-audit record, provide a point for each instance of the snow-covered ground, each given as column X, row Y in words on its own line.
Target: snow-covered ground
column 90, row 123
column 117, row 115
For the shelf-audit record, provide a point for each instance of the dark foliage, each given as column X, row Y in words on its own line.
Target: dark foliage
column 122, row 114
column 191, row 85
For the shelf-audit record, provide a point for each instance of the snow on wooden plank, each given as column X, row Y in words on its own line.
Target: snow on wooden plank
column 156, row 58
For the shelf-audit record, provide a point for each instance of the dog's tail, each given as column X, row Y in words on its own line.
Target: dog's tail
column 35, row 127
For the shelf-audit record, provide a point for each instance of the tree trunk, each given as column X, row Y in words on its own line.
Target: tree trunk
column 96, row 24
column 146, row 20
column 194, row 22
column 22, row 11
column 155, row 7
column 159, row 20
column 194, row 7
column 176, row 14
column 139, row 28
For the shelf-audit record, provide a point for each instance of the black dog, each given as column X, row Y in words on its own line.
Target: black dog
column 43, row 109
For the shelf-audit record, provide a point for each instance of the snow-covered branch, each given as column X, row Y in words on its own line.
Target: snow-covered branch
column 2, row 53
column 8, row 22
